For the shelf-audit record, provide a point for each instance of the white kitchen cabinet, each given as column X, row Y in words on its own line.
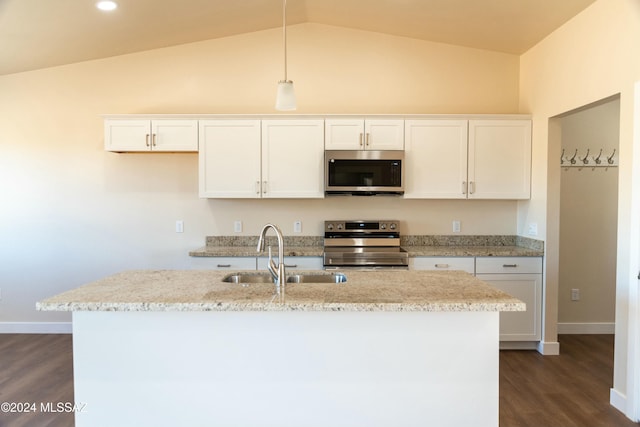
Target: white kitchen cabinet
column 261, row 158
column 520, row 277
column 234, row 264
column 435, row 159
column 499, row 159
column 292, row 159
column 364, row 134
column 143, row 135
column 474, row 159
column 443, row 263
column 229, row 158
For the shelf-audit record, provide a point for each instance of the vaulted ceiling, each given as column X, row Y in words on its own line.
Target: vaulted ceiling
column 43, row 33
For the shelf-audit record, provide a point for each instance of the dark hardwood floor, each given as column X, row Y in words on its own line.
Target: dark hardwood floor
column 569, row 390
column 551, row 391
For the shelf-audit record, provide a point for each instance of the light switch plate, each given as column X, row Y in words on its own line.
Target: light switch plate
column 179, row 226
column 237, row 226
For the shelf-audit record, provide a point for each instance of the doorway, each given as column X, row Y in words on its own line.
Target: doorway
column 588, row 218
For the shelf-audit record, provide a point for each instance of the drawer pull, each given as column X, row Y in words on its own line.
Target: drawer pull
column 442, row 266
column 509, row 265
column 224, row 265
column 291, row 266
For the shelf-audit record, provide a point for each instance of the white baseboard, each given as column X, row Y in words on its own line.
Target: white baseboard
column 618, row 400
column 587, row 328
column 35, row 327
column 548, row 348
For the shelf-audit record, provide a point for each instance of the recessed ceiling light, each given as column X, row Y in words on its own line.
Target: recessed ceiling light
column 107, row 5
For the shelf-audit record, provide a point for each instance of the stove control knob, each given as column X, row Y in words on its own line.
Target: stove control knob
column 329, row 227
column 339, row 226
column 393, row 226
column 383, row 226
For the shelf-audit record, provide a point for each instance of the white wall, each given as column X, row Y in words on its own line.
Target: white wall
column 592, row 57
column 72, row 212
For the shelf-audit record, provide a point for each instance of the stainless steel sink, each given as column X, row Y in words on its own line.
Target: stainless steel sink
column 248, row 278
column 317, row 278
column 294, row 278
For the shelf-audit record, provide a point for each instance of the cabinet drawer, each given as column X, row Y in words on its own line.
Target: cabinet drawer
column 508, row 265
column 442, row 263
column 234, row 263
column 294, row 262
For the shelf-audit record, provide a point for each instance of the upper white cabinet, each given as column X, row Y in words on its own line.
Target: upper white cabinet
column 474, row 159
column 140, row 135
column 261, row 158
column 435, row 159
column 229, row 158
column 292, row 158
column 364, row 134
column 499, row 159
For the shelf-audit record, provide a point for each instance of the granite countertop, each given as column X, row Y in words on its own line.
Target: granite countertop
column 196, row 290
column 245, row 246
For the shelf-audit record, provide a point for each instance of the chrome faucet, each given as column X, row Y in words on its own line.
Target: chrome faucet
column 277, row 271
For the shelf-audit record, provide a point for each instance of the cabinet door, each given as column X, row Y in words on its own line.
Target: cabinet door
column 229, row 158
column 292, row 158
column 344, row 134
column 174, row 135
column 435, row 159
column 384, row 134
column 127, row 135
column 499, row 159
column 519, row 325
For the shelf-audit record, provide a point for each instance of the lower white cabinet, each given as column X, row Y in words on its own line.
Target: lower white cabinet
column 234, row 263
column 443, row 263
column 520, row 277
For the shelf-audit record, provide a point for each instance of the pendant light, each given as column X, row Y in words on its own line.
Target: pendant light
column 286, row 97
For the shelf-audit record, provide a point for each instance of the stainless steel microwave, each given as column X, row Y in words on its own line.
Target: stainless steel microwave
column 363, row 172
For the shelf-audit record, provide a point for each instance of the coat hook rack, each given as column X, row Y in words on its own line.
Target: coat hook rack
column 582, row 161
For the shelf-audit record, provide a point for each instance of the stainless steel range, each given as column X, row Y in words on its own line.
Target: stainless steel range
column 363, row 244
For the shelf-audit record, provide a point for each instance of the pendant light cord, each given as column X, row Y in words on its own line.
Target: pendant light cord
column 284, row 32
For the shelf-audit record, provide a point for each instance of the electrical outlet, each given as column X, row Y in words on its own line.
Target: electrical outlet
column 237, row 226
column 297, row 226
column 456, row 226
column 533, row 229
column 575, row 294
column 179, row 226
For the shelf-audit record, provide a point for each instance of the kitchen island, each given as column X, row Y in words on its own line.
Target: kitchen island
column 402, row 348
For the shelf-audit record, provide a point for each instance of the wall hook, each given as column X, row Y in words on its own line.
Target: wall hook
column 585, row 160
column 597, row 159
column 573, row 159
column 610, row 158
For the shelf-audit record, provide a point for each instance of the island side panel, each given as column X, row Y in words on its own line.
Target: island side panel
column 286, row 368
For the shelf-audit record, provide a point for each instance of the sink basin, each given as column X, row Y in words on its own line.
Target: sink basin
column 248, row 278
column 317, row 278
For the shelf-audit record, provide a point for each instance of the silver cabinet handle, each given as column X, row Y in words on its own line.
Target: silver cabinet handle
column 361, row 136
column 472, row 187
column 368, row 136
column 464, row 187
column 442, row 266
column 146, row 140
column 153, row 140
column 264, row 187
column 291, row 266
column 257, row 187
column 509, row 265
column 224, row 265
